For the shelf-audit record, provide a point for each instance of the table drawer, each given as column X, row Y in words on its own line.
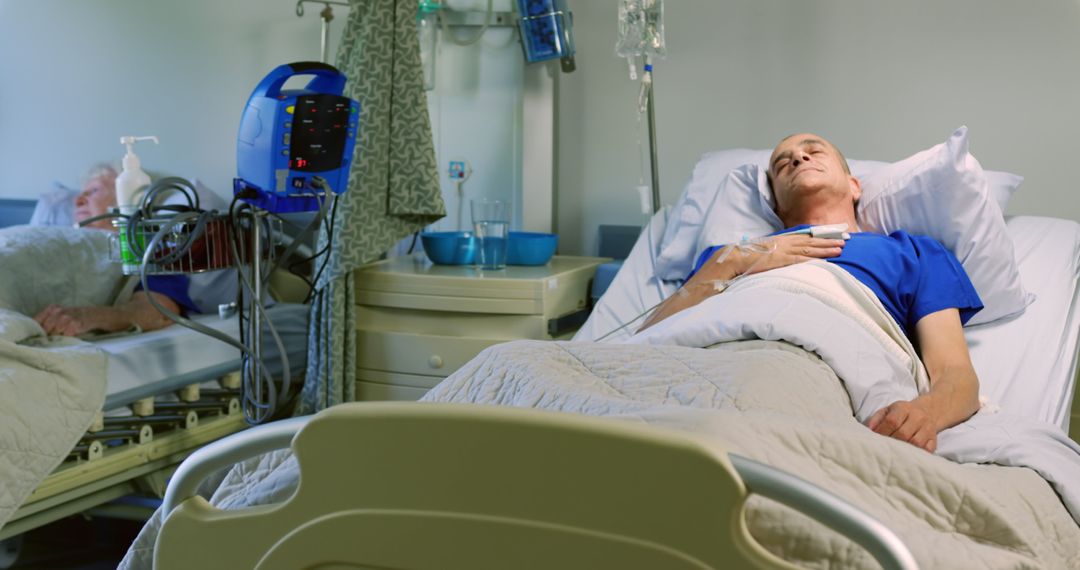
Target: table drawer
column 372, row 385
column 429, row 355
column 376, row 392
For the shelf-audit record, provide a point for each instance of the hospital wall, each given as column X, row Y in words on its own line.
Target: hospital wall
column 78, row 75
column 882, row 79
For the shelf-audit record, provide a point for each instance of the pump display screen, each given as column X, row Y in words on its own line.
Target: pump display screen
column 320, row 125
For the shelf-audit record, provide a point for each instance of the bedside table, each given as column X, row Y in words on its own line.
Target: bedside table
column 418, row 322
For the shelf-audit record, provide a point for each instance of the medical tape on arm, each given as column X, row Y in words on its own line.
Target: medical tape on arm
column 763, row 246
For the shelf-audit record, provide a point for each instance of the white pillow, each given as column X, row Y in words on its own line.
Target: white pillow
column 684, row 226
column 943, row 193
column 208, row 198
column 685, row 222
column 55, row 207
column 744, row 207
column 940, row 192
column 1002, row 186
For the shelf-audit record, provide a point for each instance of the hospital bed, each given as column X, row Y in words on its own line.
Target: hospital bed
column 157, row 396
column 515, row 463
column 948, row 514
column 168, row 393
column 1031, row 362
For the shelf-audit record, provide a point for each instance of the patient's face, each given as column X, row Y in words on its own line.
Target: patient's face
column 97, row 196
column 806, row 167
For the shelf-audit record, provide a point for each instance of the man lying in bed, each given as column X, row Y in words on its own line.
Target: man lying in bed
column 919, row 282
column 171, row 291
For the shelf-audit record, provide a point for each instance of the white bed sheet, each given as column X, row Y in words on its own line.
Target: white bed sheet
column 147, row 364
column 1027, row 364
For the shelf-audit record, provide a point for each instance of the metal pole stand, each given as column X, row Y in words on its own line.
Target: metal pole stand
column 256, row 406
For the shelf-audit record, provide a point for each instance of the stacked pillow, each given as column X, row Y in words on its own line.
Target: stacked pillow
column 55, row 207
column 941, row 192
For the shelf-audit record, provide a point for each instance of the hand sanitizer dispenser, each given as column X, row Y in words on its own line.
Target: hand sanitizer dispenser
column 132, row 181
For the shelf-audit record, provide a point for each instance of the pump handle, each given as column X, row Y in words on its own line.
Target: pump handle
column 302, row 66
column 327, row 78
column 131, row 140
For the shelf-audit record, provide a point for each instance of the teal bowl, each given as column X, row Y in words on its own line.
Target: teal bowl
column 449, row 248
column 530, row 248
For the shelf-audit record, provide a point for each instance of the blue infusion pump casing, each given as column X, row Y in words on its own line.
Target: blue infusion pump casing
column 289, row 136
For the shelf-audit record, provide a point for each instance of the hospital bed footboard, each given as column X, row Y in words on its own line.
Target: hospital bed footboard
column 488, row 486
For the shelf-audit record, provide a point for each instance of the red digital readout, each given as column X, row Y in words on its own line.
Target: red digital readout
column 298, row 163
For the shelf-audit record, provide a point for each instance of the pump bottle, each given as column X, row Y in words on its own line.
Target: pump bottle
column 132, row 181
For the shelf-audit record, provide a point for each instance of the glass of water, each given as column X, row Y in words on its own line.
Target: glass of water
column 491, row 222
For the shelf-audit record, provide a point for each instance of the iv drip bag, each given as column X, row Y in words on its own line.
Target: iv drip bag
column 641, row 29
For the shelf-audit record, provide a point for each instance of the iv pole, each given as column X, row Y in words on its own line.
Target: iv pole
column 653, row 161
column 326, row 14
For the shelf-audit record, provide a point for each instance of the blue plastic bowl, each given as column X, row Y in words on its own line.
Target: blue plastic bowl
column 449, row 248
column 530, row 248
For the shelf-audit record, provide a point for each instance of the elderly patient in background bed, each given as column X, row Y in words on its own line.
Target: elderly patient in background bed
column 171, row 291
column 920, row 283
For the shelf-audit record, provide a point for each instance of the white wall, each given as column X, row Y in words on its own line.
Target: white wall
column 881, row 78
column 78, row 75
column 475, row 112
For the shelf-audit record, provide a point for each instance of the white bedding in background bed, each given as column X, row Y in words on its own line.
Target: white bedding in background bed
column 1029, row 363
column 146, row 364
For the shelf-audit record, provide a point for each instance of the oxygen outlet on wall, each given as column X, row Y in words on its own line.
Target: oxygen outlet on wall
column 458, row 172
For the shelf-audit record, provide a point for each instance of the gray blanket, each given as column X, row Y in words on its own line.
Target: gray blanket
column 50, row 387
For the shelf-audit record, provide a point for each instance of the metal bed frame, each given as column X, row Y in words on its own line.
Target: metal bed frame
column 136, row 454
column 119, row 456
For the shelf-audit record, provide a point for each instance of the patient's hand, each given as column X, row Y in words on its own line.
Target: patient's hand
column 74, row 321
column 791, row 249
column 785, row 250
column 906, row 421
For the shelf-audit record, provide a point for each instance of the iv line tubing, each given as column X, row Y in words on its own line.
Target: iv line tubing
column 153, row 245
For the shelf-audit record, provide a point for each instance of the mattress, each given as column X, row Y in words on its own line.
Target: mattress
column 143, row 365
column 1027, row 365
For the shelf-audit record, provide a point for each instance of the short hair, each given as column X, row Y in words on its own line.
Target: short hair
column 100, row 169
column 843, row 159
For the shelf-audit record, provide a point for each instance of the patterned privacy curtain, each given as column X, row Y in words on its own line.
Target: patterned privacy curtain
column 393, row 187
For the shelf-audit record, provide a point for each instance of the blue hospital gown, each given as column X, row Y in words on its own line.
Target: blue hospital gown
column 174, row 287
column 911, row 275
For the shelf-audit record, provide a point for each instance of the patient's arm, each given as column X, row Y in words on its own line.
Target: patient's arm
column 789, row 249
column 73, row 321
column 698, row 288
column 954, row 387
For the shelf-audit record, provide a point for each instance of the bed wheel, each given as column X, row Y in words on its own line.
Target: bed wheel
column 10, row 549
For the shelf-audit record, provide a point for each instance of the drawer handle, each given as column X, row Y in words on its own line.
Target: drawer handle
column 435, row 361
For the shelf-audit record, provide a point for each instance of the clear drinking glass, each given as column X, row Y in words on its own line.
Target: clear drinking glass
column 491, row 223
